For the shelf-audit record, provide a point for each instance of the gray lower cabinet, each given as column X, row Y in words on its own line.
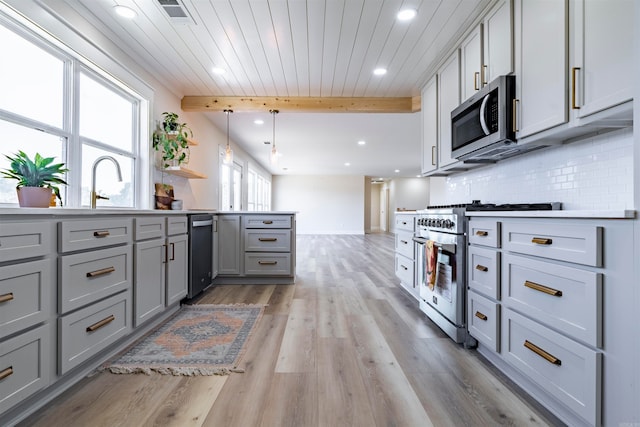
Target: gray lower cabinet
column 161, row 268
column 229, row 256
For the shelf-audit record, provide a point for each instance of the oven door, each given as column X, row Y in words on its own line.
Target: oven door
column 442, row 288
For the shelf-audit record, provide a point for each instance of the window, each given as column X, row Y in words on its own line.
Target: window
column 259, row 197
column 55, row 105
column 230, row 187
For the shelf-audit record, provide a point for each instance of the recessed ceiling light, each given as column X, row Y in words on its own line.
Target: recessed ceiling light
column 397, row 171
column 125, row 12
column 418, row 176
column 362, row 142
column 217, row 70
column 347, row 164
column 406, row 14
column 258, row 121
column 380, row 71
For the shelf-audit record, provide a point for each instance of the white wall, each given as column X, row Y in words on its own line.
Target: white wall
column 325, row 204
column 595, row 173
column 408, row 193
column 374, row 209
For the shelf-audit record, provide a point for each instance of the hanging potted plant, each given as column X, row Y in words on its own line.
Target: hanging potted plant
column 172, row 141
column 37, row 179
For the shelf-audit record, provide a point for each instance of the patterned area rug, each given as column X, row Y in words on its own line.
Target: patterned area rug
column 197, row 340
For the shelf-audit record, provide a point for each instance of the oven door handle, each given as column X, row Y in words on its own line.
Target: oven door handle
column 419, row 240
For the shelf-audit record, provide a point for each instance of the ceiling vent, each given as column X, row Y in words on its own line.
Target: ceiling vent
column 176, row 11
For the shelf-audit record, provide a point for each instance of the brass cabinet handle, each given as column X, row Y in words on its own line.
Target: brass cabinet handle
column 540, row 352
column 541, row 241
column 267, row 221
column 6, row 297
column 267, row 262
column 514, row 107
column 574, row 106
column 481, row 316
column 6, row 372
column 476, row 78
column 433, row 155
column 482, row 233
column 103, row 233
column 482, row 268
column 484, row 75
column 101, row 272
column 542, row 288
column 267, row 239
column 101, row 323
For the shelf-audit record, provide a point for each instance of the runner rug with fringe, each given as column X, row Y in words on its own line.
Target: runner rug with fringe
column 198, row 340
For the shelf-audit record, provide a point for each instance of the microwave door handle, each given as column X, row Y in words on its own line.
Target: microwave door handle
column 483, row 121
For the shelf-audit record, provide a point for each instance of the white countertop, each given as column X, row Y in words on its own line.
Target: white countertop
column 98, row 211
column 606, row 214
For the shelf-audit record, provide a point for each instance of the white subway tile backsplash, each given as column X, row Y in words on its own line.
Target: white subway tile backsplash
column 595, row 173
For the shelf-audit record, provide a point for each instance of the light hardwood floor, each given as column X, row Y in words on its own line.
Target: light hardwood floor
column 344, row 346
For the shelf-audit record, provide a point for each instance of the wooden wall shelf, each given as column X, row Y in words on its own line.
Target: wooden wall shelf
column 184, row 173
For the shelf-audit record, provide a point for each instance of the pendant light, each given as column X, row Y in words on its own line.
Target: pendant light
column 228, row 153
column 274, row 150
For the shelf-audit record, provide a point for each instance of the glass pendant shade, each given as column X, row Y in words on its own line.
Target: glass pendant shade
column 228, row 152
column 274, row 151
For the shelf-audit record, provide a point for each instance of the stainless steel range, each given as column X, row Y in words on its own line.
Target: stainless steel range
column 441, row 254
column 441, row 245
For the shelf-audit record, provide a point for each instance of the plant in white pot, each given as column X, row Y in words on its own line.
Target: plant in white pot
column 172, row 141
column 37, row 179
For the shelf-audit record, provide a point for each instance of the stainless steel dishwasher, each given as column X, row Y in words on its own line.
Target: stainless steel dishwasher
column 200, row 253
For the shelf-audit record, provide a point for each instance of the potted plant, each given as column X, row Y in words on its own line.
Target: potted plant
column 37, row 179
column 172, row 141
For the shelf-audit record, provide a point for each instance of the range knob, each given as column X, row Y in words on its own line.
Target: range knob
column 438, row 223
column 448, row 223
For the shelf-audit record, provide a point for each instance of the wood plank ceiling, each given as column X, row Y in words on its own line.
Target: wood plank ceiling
column 292, row 49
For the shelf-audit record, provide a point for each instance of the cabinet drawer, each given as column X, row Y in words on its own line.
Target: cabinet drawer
column 90, row 276
column 581, row 244
column 85, row 332
column 570, row 372
column 24, row 240
column 484, row 231
column 564, row 298
column 484, row 271
column 483, row 318
column 404, row 243
column 24, row 366
column 267, row 264
column 176, row 225
column 405, row 222
column 96, row 233
column 256, row 240
column 405, row 268
column 267, row 221
column 148, row 228
column 25, row 295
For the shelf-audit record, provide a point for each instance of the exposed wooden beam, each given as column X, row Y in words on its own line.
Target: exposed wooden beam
column 302, row 104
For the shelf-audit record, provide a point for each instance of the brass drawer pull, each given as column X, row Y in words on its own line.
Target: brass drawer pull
column 6, row 372
column 267, row 239
column 267, row 221
column 103, row 233
column 481, row 316
column 482, row 268
column 482, row 233
column 540, row 352
column 6, row 297
column 101, row 272
column 541, row 241
column 101, row 323
column 574, row 106
column 267, row 262
column 541, row 288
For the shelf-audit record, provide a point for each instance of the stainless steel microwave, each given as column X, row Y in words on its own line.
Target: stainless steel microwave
column 482, row 127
